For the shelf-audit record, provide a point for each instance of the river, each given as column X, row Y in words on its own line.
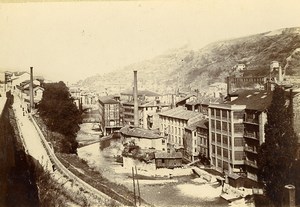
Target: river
column 182, row 192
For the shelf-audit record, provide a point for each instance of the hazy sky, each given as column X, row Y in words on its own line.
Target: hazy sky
column 72, row 40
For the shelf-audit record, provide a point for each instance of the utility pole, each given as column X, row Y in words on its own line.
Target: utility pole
column 138, row 186
column 133, row 187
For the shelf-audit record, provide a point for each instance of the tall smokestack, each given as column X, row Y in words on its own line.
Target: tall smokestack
column 31, row 89
column 280, row 79
column 135, row 98
column 228, row 85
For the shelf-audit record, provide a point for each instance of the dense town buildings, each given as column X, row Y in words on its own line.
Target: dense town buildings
column 148, row 106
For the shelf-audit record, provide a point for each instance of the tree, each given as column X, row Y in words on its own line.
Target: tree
column 278, row 152
column 60, row 114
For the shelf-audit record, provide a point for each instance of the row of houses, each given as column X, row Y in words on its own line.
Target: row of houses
column 19, row 84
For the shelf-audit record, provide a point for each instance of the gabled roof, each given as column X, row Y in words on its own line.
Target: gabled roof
column 139, row 133
column 180, row 113
column 186, row 97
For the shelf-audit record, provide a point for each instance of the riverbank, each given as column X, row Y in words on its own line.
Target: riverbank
column 183, row 189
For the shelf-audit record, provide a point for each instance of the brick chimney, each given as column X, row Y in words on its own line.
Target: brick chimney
column 135, row 98
column 31, row 89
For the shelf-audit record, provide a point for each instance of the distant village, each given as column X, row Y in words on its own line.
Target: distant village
column 221, row 126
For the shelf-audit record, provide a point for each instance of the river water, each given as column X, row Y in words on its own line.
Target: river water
column 183, row 191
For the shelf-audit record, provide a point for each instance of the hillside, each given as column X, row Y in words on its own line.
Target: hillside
column 185, row 68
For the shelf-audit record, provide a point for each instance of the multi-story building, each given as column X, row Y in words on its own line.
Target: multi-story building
column 196, row 140
column 149, row 105
column 236, row 132
column 109, row 112
column 173, row 122
column 202, row 138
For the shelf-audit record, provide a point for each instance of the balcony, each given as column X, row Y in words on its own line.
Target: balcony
column 250, row 149
column 251, row 135
column 251, row 121
column 251, row 163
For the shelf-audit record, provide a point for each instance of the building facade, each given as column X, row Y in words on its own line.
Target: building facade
column 109, row 113
column 173, row 123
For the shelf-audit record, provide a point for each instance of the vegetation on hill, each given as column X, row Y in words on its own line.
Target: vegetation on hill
column 188, row 68
column 60, row 114
column 278, row 153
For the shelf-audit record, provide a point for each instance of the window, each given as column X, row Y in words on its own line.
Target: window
column 224, row 126
column 219, row 150
column 219, row 138
column 218, row 113
column 213, row 124
column 218, row 123
column 238, row 141
column 213, row 149
column 239, row 128
column 219, row 163
column 224, row 114
column 225, row 140
column 163, row 141
column 225, row 153
column 225, row 165
column 213, row 137
column 212, row 112
column 195, row 133
column 239, row 155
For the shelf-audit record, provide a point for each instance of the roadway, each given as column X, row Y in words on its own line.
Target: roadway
column 35, row 146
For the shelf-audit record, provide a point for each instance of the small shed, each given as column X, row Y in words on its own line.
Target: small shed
column 168, row 160
column 235, row 180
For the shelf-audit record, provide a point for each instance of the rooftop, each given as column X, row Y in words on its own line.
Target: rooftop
column 140, row 93
column 202, row 124
column 253, row 99
column 107, row 100
column 139, row 132
column 168, row 155
column 146, row 103
column 180, row 113
column 206, row 100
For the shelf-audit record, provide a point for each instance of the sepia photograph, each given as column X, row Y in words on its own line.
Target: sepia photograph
column 152, row 103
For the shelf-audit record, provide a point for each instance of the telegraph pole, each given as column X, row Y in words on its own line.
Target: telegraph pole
column 138, row 186
column 133, row 187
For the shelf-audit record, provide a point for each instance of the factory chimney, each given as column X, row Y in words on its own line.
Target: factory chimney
column 31, row 90
column 135, row 98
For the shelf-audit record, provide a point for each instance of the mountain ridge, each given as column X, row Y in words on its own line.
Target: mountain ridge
column 187, row 68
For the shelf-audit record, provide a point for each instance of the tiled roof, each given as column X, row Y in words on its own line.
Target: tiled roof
column 139, row 132
column 254, row 100
column 202, row 123
column 145, row 103
column 205, row 100
column 168, row 155
column 140, row 93
column 187, row 97
column 107, row 100
column 180, row 113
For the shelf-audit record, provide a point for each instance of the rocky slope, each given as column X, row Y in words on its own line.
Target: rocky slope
column 187, row 68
